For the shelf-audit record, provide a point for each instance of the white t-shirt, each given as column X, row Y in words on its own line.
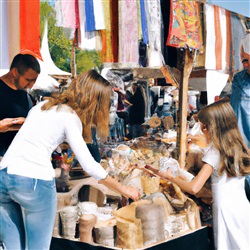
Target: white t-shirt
column 30, row 152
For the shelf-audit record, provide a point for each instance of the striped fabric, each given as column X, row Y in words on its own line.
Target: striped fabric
column 218, row 42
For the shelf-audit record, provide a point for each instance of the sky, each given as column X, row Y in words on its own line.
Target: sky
column 238, row 6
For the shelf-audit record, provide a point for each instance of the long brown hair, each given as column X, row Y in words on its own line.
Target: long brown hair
column 221, row 122
column 89, row 96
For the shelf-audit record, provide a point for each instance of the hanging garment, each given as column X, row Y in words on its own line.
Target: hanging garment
column 30, row 27
column 237, row 34
column 89, row 40
column 107, row 53
column 114, row 28
column 14, row 28
column 4, row 41
column 128, row 33
column 185, row 25
column 217, row 40
column 155, row 33
column 144, row 22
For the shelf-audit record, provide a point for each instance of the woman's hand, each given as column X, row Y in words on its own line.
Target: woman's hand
column 131, row 192
column 126, row 191
column 165, row 175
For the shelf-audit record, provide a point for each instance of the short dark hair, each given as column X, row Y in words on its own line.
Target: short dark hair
column 244, row 60
column 23, row 62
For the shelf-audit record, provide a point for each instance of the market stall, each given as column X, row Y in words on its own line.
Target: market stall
column 177, row 215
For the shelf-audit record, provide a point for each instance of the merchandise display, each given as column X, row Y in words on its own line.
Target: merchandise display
column 105, row 218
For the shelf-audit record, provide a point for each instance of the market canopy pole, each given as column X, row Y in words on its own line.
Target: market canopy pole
column 183, row 107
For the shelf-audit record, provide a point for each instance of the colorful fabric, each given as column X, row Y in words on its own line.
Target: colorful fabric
column 30, row 26
column 4, row 41
column 218, row 25
column 106, row 53
column 185, row 26
column 86, row 40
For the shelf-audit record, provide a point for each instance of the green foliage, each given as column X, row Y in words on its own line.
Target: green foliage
column 87, row 59
column 60, row 45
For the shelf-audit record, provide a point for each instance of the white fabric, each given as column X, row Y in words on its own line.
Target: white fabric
column 99, row 14
column 246, row 43
column 154, row 22
column 231, row 220
column 215, row 82
column 30, row 152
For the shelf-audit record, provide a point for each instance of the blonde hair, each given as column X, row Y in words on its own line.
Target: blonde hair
column 89, row 96
column 221, row 122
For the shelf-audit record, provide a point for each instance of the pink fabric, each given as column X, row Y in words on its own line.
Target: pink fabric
column 128, row 32
column 68, row 13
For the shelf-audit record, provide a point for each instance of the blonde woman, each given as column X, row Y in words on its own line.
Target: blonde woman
column 27, row 181
column 227, row 161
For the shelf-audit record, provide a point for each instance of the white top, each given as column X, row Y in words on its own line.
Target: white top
column 231, row 209
column 30, row 152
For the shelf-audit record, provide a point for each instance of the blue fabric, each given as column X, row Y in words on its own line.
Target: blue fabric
column 38, row 199
column 144, row 22
column 90, row 17
column 240, row 101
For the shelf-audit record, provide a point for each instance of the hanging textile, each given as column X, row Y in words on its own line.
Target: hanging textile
column 30, row 27
column 68, row 14
column 128, row 33
column 114, row 28
column 106, row 53
column 87, row 40
column 59, row 14
column 14, row 28
column 138, row 4
column 4, row 58
column 155, row 33
column 144, row 22
column 185, row 25
column 90, row 16
column 94, row 15
column 238, row 33
column 217, row 41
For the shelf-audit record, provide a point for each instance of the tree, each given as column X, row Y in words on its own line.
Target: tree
column 60, row 46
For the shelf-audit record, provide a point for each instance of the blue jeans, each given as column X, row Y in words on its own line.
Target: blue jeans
column 27, row 212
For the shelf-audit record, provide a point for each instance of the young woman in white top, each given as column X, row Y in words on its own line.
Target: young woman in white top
column 27, row 185
column 227, row 161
